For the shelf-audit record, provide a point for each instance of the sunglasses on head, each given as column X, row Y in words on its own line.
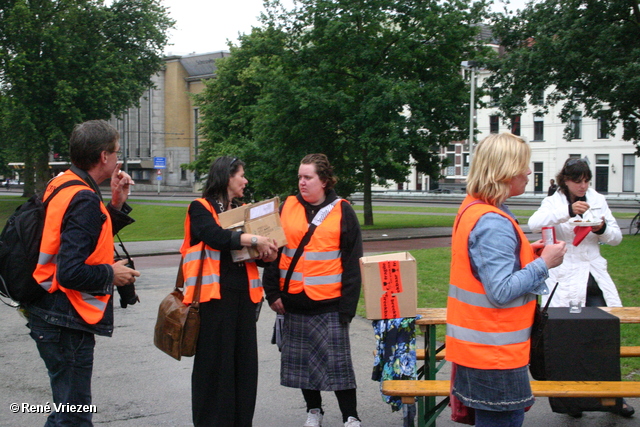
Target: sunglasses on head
column 574, row 161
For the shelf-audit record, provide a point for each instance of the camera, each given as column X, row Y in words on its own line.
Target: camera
column 127, row 293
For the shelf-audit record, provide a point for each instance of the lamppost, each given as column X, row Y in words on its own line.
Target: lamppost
column 471, row 66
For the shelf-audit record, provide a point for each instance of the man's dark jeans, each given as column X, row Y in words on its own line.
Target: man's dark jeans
column 68, row 355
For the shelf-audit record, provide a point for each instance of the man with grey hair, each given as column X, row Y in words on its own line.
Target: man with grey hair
column 76, row 267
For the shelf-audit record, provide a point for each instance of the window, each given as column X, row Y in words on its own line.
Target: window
column 515, row 124
column 196, row 141
column 465, row 164
column 603, row 128
column 602, row 173
column 451, row 164
column 628, row 171
column 494, row 97
column 576, row 126
column 494, row 124
column 538, row 184
column 538, row 128
column 538, row 98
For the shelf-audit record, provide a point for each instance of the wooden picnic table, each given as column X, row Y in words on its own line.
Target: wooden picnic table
column 431, row 317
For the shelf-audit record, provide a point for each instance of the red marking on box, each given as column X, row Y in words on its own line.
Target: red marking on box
column 390, row 276
column 389, row 308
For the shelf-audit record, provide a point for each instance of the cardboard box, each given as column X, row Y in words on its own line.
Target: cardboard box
column 390, row 285
column 262, row 218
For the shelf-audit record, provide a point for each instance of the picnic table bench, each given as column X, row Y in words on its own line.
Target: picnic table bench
column 429, row 388
column 606, row 390
column 625, row 351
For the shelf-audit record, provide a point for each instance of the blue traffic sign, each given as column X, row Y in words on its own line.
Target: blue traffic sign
column 159, row 162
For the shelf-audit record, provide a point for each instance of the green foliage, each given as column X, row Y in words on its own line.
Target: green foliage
column 372, row 84
column 586, row 52
column 63, row 62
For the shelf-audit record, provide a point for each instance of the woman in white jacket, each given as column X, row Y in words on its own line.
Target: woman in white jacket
column 583, row 274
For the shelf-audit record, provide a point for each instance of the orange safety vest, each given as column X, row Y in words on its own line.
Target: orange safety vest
column 319, row 269
column 479, row 334
column 210, row 288
column 90, row 307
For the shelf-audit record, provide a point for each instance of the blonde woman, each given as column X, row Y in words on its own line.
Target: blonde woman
column 495, row 276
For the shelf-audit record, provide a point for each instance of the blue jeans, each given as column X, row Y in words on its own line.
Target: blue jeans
column 68, row 355
column 499, row 419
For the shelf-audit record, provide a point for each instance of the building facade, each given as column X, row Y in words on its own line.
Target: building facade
column 163, row 129
column 612, row 160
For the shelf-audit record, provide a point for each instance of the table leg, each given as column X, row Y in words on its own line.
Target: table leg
column 427, row 405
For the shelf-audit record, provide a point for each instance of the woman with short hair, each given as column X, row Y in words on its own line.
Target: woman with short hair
column 495, row 276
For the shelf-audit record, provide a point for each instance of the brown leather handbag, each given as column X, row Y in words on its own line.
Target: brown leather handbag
column 178, row 325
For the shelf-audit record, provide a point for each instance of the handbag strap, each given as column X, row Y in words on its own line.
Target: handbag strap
column 180, row 278
column 546, row 306
column 317, row 220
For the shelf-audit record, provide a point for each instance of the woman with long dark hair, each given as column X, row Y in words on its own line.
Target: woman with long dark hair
column 225, row 369
column 583, row 274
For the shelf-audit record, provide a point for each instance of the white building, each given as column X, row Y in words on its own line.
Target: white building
column 612, row 160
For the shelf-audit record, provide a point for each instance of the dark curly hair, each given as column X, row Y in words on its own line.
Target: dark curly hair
column 323, row 169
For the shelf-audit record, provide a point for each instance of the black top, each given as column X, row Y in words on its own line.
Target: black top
column 351, row 248
column 233, row 275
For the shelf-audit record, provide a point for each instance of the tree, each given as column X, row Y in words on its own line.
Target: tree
column 66, row 61
column 374, row 84
column 586, row 52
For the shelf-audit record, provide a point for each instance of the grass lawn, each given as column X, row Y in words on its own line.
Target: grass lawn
column 153, row 222
column 624, row 267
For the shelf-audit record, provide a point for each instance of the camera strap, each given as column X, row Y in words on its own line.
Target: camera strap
column 129, row 260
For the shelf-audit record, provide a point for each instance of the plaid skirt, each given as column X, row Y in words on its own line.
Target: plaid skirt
column 316, row 353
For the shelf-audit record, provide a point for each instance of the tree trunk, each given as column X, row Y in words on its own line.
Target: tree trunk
column 43, row 174
column 28, row 177
column 368, row 208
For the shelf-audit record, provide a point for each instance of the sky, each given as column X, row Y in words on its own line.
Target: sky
column 205, row 25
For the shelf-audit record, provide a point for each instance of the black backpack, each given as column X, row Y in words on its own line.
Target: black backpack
column 20, row 248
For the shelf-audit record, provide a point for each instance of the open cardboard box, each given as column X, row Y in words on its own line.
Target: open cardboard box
column 262, row 218
column 390, row 285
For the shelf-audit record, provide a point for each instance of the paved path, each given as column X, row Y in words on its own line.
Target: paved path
column 135, row 385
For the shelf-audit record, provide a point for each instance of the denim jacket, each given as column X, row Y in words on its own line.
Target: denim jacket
column 81, row 227
column 493, row 251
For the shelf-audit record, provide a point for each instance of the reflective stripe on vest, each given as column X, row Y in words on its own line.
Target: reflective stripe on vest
column 319, row 269
column 480, row 334
column 90, row 307
column 210, row 288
